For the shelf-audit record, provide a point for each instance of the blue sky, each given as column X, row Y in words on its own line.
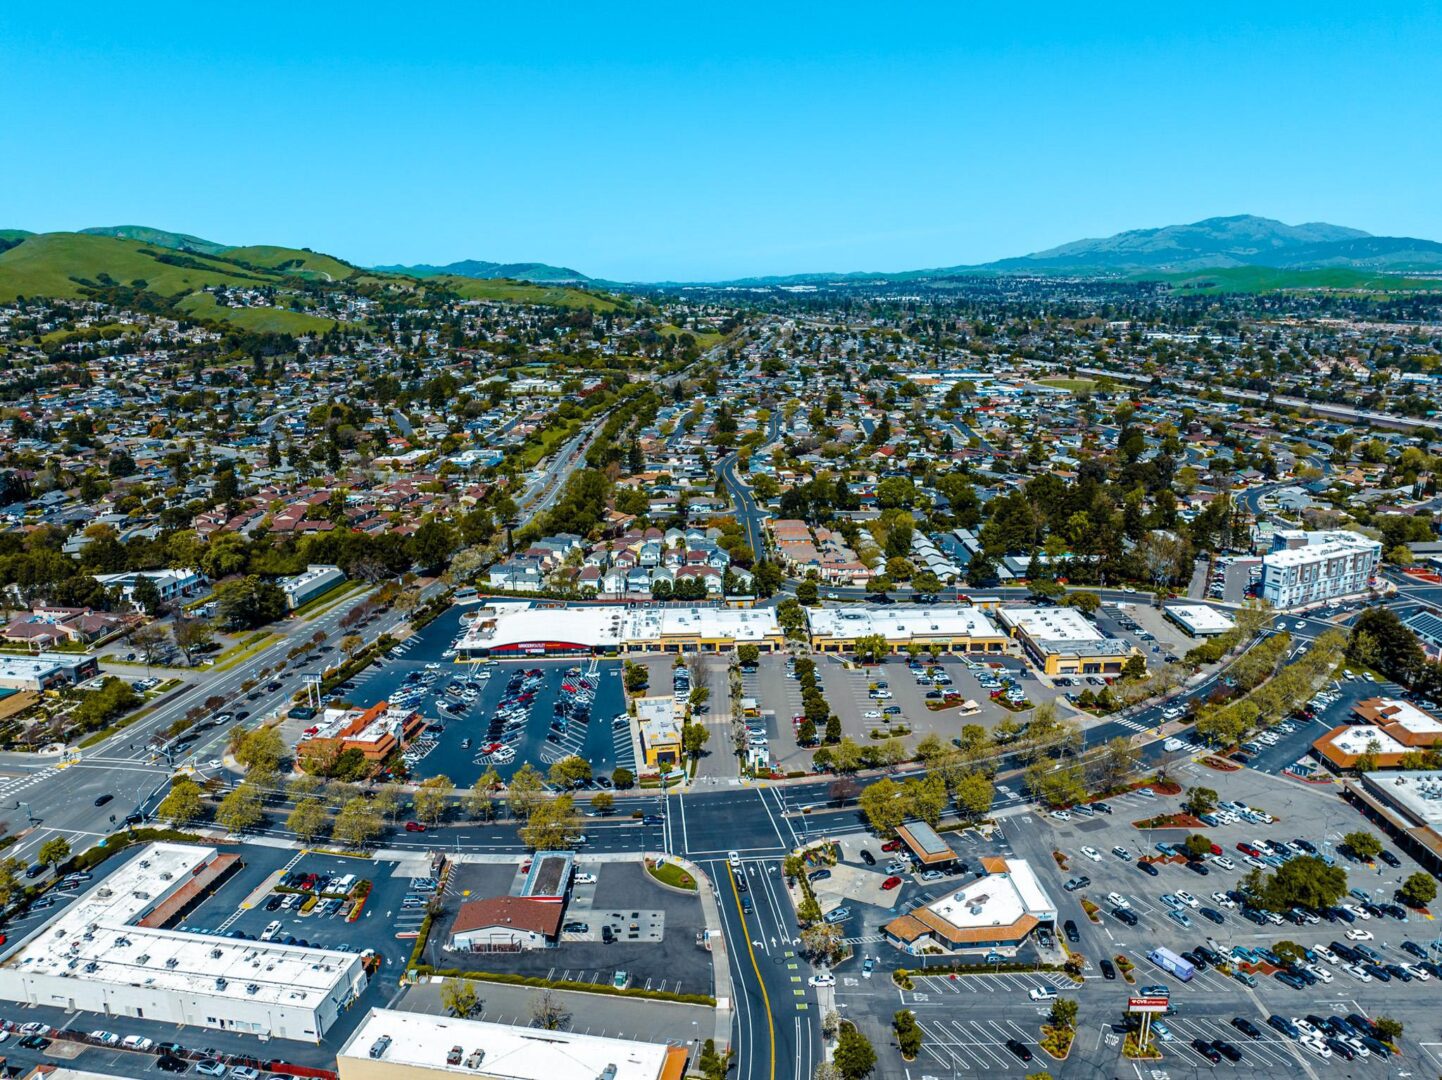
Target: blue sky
column 649, row 142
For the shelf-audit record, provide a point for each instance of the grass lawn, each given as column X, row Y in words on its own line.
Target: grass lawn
column 671, row 874
column 1076, row 386
column 1259, row 279
column 244, row 649
column 327, row 600
column 521, row 292
column 276, row 320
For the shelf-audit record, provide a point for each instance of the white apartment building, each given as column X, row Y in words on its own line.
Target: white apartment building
column 1309, row 567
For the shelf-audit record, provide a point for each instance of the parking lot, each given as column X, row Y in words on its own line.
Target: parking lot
column 968, row 1020
column 653, row 928
column 505, row 715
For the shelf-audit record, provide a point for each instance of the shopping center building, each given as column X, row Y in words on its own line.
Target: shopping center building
column 608, row 629
column 951, row 628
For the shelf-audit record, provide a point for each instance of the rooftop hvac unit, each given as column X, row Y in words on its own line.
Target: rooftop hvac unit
column 252, row 988
column 608, row 1073
column 172, row 962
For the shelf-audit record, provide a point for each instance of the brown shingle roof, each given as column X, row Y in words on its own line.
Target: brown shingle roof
column 535, row 916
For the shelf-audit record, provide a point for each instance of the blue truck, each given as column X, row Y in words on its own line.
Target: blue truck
column 1171, row 963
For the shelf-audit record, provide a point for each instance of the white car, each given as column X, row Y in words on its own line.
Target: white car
column 1122, row 853
column 1356, row 911
column 1326, row 954
column 734, row 858
column 109, row 1038
column 1416, row 972
column 1252, row 860
column 214, row 763
column 1224, row 862
column 1187, row 898
column 1042, row 993
column 585, row 879
column 1320, row 972
column 137, row 1042
column 1357, row 972
column 1092, row 853
column 1061, row 815
column 872, row 714
column 1118, row 900
column 1353, row 934
column 1223, row 899
column 1306, row 1027
column 1172, row 745
column 1315, row 1044
column 822, row 980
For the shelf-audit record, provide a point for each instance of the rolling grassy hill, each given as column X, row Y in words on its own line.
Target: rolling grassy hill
column 262, row 319
column 58, row 264
column 158, row 238
column 519, row 292
column 306, row 264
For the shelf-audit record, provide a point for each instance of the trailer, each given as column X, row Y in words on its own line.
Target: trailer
column 1171, row 963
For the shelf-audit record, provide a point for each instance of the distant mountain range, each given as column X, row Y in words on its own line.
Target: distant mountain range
column 1220, row 243
column 477, row 268
column 1222, row 254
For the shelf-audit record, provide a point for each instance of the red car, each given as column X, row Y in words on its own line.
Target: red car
column 1247, row 849
column 415, row 826
column 891, row 882
column 891, row 845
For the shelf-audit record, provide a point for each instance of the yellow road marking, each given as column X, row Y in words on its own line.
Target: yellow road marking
column 751, row 949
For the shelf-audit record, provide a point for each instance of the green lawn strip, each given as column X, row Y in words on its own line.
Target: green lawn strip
column 672, row 875
column 243, row 651
column 327, row 600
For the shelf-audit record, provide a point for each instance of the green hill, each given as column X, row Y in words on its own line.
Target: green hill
column 60, row 264
column 202, row 305
column 295, row 261
column 521, row 292
column 158, row 237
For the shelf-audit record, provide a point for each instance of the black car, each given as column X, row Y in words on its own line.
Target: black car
column 868, row 858
column 1148, row 868
column 1196, row 866
column 1227, row 1050
column 1213, row 915
column 1415, row 949
column 1207, row 1051
column 34, row 1042
column 1125, row 915
column 1390, row 859
column 1109, row 970
column 1341, row 1049
column 1101, row 808
column 173, row 1048
column 1246, row 1027
column 170, row 1064
column 273, row 903
column 1019, row 1049
column 1289, row 979
column 1069, row 928
column 103, row 799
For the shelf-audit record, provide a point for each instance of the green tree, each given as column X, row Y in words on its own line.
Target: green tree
column 908, row 1033
column 358, row 823
column 871, row 648
column 1388, row 1029
column 569, row 770
column 854, row 1055
column 694, row 738
column 480, row 800
column 1305, row 881
column 182, row 803
column 1064, row 1013
column 309, row 820
column 525, row 791
column 1362, row 844
column 261, row 750
column 973, row 793
column 603, row 802
column 551, row 824
column 54, row 851
column 1200, row 800
column 241, row 809
column 432, row 799
column 623, row 778
column 459, row 997
column 1198, row 846
column 1418, row 890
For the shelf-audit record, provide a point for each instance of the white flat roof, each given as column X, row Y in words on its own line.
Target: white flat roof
column 518, row 624
column 1200, row 618
column 420, row 1040
column 1059, row 629
column 1357, row 739
column 997, row 899
column 1419, row 792
column 1409, row 717
column 902, row 623
column 1320, row 546
column 95, row 939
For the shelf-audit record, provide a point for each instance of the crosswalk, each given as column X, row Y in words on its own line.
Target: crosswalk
column 1133, row 724
column 21, row 783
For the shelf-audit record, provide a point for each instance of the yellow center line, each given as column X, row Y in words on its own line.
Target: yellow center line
column 751, row 949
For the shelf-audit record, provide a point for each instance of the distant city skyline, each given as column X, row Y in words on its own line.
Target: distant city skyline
column 648, row 145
